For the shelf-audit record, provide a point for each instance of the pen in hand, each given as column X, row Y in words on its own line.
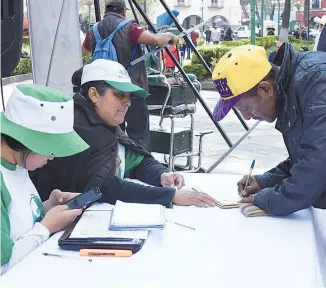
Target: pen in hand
column 249, row 174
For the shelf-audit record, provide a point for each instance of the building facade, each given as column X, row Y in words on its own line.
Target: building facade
column 317, row 9
column 192, row 11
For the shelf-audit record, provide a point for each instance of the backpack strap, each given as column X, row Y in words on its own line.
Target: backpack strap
column 96, row 33
column 134, row 49
column 121, row 24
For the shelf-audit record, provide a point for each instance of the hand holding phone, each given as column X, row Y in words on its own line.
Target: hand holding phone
column 85, row 199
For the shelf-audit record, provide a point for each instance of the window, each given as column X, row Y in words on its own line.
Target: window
column 315, row 4
column 217, row 3
column 180, row 2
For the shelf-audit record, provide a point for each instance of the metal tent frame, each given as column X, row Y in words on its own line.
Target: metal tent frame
column 232, row 146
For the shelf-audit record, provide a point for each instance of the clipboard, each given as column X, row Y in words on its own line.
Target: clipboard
column 75, row 244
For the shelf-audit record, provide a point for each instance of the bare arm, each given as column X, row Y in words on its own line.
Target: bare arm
column 85, row 52
column 159, row 39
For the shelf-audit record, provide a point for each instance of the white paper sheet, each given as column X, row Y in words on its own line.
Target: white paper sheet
column 96, row 224
column 135, row 214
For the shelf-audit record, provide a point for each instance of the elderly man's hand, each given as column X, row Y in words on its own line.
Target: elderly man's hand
column 249, row 199
column 172, row 179
column 252, row 188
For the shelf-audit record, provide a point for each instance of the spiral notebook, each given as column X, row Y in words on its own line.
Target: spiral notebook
column 135, row 216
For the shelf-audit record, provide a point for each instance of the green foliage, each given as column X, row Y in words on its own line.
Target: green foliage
column 87, row 59
column 212, row 53
column 201, row 41
column 266, row 42
column 24, row 67
column 26, row 41
column 196, row 69
column 298, row 43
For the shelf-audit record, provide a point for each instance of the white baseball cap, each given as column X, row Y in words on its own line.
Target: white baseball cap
column 42, row 119
column 112, row 73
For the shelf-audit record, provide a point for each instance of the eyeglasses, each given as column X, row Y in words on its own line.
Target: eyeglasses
column 121, row 94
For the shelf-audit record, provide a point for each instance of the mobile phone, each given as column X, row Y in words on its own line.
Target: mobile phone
column 85, row 199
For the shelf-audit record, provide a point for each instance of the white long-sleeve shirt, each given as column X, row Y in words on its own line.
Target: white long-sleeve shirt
column 21, row 211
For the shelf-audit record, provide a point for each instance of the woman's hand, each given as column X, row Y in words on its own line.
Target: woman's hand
column 58, row 197
column 59, row 217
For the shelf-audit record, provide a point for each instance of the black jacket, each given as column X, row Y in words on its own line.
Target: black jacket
column 96, row 166
column 300, row 181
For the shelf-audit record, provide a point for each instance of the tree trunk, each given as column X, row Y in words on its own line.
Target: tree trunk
column 306, row 10
column 257, row 11
column 271, row 16
column 284, row 34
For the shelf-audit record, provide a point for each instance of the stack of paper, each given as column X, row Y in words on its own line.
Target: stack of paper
column 134, row 216
column 250, row 210
column 227, row 204
column 223, row 204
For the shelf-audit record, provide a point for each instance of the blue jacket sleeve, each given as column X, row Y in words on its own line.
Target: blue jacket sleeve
column 307, row 181
column 149, row 171
column 114, row 188
column 275, row 176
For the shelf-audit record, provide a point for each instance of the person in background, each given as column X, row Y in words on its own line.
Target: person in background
column 194, row 36
column 292, row 91
column 272, row 55
column 36, row 127
column 215, row 35
column 296, row 33
column 228, row 34
column 321, row 21
column 125, row 39
column 222, row 36
column 183, row 48
column 304, row 34
column 100, row 107
column 208, row 34
column 271, row 32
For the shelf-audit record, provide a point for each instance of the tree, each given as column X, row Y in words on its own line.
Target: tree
column 270, row 9
column 149, row 8
column 306, row 16
column 148, row 5
column 257, row 11
column 284, row 34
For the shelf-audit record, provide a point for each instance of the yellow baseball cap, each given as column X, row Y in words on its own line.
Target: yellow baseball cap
column 238, row 71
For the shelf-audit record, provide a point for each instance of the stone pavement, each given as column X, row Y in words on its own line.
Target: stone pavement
column 264, row 144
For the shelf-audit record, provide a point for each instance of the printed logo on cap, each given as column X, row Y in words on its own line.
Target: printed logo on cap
column 223, row 88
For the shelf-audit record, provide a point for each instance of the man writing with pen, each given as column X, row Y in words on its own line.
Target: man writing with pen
column 292, row 90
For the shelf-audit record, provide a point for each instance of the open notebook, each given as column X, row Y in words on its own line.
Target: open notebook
column 134, row 216
column 95, row 224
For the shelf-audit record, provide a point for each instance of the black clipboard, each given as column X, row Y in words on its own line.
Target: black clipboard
column 75, row 244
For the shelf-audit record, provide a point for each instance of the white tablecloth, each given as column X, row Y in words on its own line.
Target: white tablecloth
column 226, row 250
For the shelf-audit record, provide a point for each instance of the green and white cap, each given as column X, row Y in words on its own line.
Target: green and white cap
column 112, row 73
column 42, row 119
